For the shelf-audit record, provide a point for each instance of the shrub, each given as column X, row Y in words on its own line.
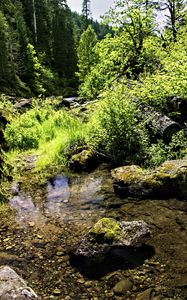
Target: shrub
column 118, row 131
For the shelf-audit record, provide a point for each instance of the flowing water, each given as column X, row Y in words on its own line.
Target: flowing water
column 49, row 222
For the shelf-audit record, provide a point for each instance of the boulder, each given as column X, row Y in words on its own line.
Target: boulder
column 12, row 286
column 85, row 160
column 108, row 233
column 166, row 181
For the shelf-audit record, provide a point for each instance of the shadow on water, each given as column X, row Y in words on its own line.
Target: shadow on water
column 118, row 258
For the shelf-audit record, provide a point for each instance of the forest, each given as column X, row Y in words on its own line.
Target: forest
column 93, row 129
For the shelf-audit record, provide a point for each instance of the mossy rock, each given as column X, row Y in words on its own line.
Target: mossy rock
column 166, row 181
column 108, row 234
column 85, row 160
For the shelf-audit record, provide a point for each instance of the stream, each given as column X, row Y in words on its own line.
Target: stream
column 49, row 222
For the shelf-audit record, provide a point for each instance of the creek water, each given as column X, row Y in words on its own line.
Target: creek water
column 49, row 221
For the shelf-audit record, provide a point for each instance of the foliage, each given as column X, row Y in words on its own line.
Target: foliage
column 159, row 152
column 86, row 55
column 117, row 130
column 47, row 131
column 31, row 64
column 169, row 79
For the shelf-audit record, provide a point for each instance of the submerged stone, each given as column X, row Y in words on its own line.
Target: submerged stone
column 166, row 181
column 12, row 286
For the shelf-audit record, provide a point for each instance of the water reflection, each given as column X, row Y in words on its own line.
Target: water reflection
column 76, row 200
column 26, row 210
column 58, row 189
column 73, row 201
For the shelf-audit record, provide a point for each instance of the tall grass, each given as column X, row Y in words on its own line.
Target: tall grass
column 44, row 131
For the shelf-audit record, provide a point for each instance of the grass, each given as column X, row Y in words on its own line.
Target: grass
column 44, row 132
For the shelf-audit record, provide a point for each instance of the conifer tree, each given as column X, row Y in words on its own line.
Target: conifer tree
column 86, row 12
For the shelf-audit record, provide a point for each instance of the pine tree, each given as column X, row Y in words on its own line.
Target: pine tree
column 86, row 12
column 63, row 44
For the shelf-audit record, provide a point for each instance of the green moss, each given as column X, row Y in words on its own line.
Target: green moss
column 108, row 228
column 83, row 156
column 128, row 174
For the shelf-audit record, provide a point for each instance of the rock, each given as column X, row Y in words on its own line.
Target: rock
column 62, row 103
column 122, row 286
column 57, row 292
column 23, row 103
column 84, row 160
column 145, row 295
column 166, row 181
column 12, row 286
column 108, row 233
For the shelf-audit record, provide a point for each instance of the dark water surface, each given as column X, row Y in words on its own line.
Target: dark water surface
column 50, row 221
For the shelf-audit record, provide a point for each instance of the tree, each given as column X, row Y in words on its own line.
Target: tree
column 86, row 12
column 174, row 10
column 135, row 18
column 4, row 51
column 63, row 43
column 85, row 53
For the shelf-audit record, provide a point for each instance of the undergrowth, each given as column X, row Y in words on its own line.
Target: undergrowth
column 45, row 132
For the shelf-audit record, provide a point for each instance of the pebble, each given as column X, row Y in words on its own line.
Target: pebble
column 31, row 224
column 88, row 284
column 82, row 281
column 9, row 247
column 145, row 295
column 59, row 253
column 123, row 286
column 39, row 236
column 57, row 292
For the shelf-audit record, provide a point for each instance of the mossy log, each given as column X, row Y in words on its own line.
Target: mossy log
column 158, row 123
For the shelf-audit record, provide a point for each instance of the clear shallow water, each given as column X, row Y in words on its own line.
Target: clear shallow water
column 65, row 199
column 64, row 210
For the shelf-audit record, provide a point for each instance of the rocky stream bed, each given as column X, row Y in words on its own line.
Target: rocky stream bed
column 48, row 221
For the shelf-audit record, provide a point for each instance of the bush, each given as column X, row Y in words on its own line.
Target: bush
column 118, row 131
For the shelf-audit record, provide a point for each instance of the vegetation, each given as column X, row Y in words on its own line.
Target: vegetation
column 133, row 66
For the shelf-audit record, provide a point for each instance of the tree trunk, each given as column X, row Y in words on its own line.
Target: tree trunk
column 34, row 21
column 160, row 124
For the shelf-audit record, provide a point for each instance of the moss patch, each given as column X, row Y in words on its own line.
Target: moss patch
column 108, row 228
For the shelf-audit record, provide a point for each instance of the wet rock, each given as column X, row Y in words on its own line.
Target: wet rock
column 145, row 295
column 123, row 286
column 167, row 181
column 12, row 286
column 108, row 233
column 85, row 160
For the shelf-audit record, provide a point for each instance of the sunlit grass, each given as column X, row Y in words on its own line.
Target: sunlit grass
column 46, row 133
